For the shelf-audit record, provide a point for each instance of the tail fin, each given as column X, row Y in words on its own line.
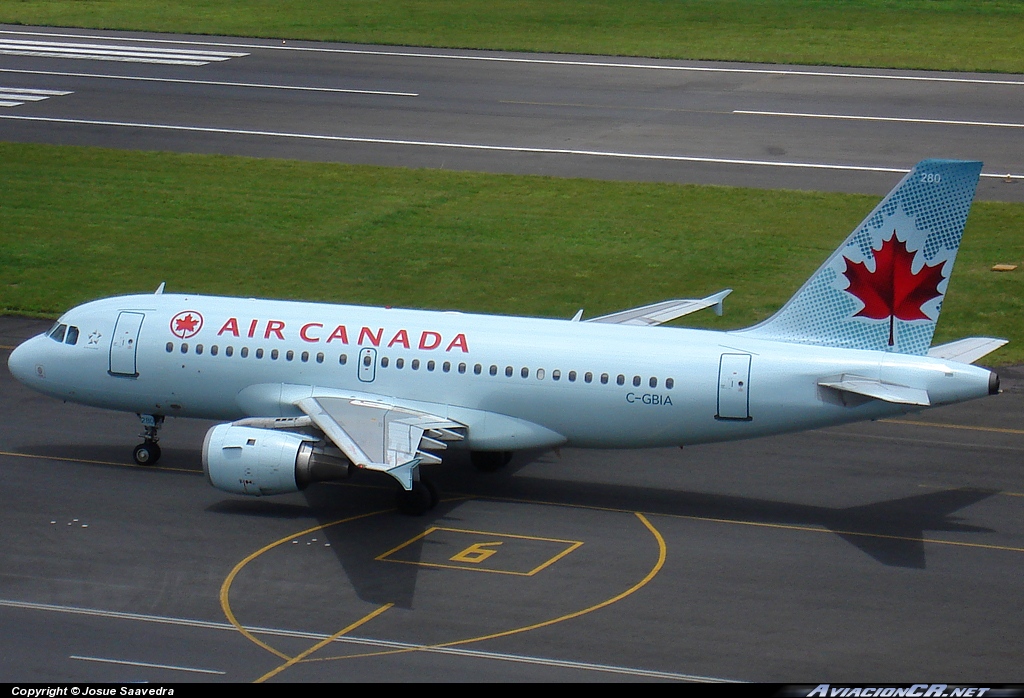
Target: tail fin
column 883, row 288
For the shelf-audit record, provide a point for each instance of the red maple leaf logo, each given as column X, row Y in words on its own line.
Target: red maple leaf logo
column 892, row 290
column 186, row 324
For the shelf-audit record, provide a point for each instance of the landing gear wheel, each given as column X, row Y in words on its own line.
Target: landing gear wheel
column 147, row 453
column 490, row 461
column 417, row 501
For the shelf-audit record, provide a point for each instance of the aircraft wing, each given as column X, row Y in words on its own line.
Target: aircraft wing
column 380, row 436
column 968, row 350
column 665, row 311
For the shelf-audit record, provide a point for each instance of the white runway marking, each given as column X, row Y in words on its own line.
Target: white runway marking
column 16, row 96
column 554, row 61
column 380, row 644
column 111, row 52
column 147, row 665
column 895, row 119
column 216, row 83
column 477, row 146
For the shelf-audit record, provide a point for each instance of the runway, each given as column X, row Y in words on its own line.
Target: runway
column 886, row 551
column 763, row 126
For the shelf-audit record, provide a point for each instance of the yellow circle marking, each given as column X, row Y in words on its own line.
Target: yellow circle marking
column 304, row 656
column 662, row 554
column 225, row 588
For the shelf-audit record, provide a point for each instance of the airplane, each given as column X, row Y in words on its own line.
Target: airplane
column 307, row 392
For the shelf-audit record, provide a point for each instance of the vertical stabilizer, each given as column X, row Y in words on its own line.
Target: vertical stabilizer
column 883, row 288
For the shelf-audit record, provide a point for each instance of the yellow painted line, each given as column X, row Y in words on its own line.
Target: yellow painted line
column 225, row 588
column 662, row 554
column 739, row 522
column 940, row 425
column 323, row 643
column 99, row 462
column 4, row 346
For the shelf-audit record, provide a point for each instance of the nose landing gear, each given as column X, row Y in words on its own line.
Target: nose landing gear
column 148, row 452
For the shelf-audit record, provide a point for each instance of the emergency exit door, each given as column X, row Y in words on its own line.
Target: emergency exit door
column 734, row 387
column 124, row 344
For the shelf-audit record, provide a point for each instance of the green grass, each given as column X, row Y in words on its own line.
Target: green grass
column 970, row 35
column 81, row 223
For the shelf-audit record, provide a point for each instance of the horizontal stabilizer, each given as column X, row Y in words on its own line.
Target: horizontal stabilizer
column 966, row 351
column 665, row 311
column 887, row 392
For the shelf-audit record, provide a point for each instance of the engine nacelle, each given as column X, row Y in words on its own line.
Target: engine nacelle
column 249, row 460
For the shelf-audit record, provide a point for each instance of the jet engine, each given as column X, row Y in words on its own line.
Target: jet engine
column 255, row 461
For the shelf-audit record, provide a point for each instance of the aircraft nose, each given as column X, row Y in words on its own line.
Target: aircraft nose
column 21, row 363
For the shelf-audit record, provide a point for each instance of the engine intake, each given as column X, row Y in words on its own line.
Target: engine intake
column 253, row 461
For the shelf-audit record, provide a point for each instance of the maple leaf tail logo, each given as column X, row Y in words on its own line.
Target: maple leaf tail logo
column 893, row 291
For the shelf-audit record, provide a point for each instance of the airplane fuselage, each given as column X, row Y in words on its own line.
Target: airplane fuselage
column 573, row 383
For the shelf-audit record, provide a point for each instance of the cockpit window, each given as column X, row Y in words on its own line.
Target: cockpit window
column 72, row 337
column 57, row 333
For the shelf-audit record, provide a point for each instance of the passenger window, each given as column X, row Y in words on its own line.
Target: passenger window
column 636, row 381
column 343, row 359
column 556, row 374
column 525, row 373
column 477, row 369
column 367, row 360
column 430, row 365
column 214, row 350
column 540, row 374
column 184, row 348
column 446, row 366
column 383, row 361
column 289, row 355
column 72, row 337
column 245, row 352
column 587, row 377
column 415, row 364
column 228, row 351
column 320, row 357
column 669, row 383
column 170, row 347
column 494, row 370
column 259, row 353
column 305, row 356
column 508, row 371
column 274, row 354
column 399, row 363
column 572, row 376
column 604, row 379
column 620, row 379
column 199, row 348
column 653, row 382
column 462, row 368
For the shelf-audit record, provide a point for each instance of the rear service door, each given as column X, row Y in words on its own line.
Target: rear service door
column 733, row 387
column 124, row 343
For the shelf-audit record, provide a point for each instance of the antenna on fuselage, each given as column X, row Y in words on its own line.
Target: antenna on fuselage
column 160, row 288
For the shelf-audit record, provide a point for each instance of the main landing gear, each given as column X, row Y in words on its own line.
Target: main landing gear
column 148, row 452
column 419, row 500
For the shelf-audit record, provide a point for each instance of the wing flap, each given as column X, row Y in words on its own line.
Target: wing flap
column 381, row 436
column 665, row 311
